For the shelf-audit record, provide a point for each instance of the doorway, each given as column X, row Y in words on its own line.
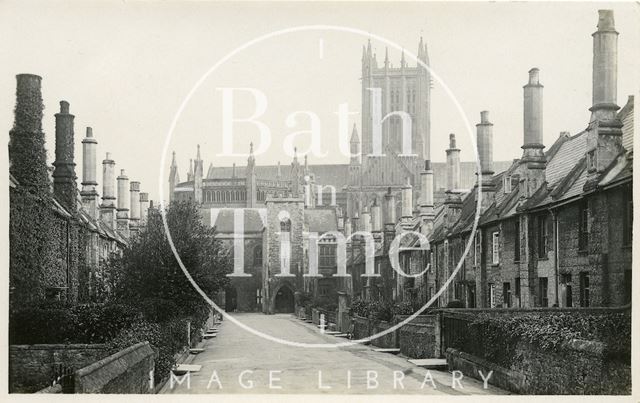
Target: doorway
column 284, row 300
column 230, row 299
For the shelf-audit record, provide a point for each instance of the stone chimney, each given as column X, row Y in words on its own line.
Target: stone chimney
column 485, row 153
column 347, row 227
column 122, row 214
column 27, row 155
column 390, row 219
column 484, row 140
column 89, row 179
column 604, row 139
column 426, row 202
column 144, row 208
column 64, row 175
column 605, row 68
column 533, row 154
column 453, row 165
column 453, row 202
column 134, row 211
column 108, row 208
column 407, row 204
column 366, row 220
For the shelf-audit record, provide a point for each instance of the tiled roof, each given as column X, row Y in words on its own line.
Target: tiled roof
column 571, row 150
column 321, row 220
column 223, row 220
column 626, row 116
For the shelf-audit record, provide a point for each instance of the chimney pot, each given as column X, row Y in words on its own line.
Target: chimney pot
column 534, row 76
column 606, row 21
column 89, row 132
column 64, row 107
column 452, row 140
column 484, row 117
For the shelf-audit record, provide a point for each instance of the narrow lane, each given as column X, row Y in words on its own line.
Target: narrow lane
column 237, row 361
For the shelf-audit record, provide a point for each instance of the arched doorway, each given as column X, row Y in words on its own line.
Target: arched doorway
column 284, row 300
column 230, row 299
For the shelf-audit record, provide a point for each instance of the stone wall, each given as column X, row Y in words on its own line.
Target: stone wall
column 578, row 367
column 420, row 338
column 389, row 340
column 31, row 366
column 127, row 371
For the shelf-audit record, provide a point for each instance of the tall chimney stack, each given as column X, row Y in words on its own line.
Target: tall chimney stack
column 484, row 141
column 108, row 208
column 64, row 175
column 122, row 214
column 27, row 155
column 134, row 212
column 407, row 204
column 426, row 203
column 144, row 207
column 605, row 68
column 604, row 139
column 453, row 165
column 366, row 220
column 390, row 219
column 89, row 181
column 533, row 145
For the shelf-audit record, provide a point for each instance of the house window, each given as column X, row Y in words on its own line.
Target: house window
column 543, row 236
column 584, row 290
column 543, row 288
column 506, row 295
column 567, row 289
column 495, row 247
column 257, row 255
column 492, row 296
column 591, row 160
column 517, row 291
column 324, row 288
column 507, row 184
column 327, row 256
column 583, row 235
column 259, row 296
column 516, row 240
column 627, row 223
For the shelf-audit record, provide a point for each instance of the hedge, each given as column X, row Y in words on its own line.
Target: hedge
column 495, row 337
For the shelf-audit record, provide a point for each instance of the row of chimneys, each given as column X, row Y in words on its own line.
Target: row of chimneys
column 132, row 206
column 533, row 160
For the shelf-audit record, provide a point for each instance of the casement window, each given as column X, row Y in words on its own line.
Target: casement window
column 543, row 236
column 492, row 296
column 585, row 293
column 506, row 295
column 510, row 183
column 516, row 240
column 543, row 289
column 495, row 247
column 627, row 223
column 507, row 184
column 565, row 283
column 327, row 255
column 259, row 296
column 583, row 226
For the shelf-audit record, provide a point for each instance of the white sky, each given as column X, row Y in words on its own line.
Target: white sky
column 126, row 68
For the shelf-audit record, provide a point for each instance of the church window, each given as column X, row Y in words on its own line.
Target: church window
column 327, row 257
column 285, row 225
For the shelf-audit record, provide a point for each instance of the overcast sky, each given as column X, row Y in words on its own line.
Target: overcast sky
column 126, row 68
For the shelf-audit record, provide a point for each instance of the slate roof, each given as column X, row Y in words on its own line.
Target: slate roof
column 321, row 220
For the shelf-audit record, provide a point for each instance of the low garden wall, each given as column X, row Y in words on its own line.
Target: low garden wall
column 31, row 367
column 548, row 352
column 127, row 371
column 421, row 340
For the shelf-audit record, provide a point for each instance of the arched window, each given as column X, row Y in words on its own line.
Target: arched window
column 257, row 255
column 285, row 225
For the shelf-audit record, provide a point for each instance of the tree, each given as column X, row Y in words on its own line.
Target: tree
column 148, row 270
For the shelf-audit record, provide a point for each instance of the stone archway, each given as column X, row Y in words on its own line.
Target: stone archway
column 284, row 300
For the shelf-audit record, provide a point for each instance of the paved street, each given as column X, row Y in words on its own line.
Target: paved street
column 242, row 362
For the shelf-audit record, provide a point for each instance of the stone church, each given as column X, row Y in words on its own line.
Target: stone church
column 297, row 199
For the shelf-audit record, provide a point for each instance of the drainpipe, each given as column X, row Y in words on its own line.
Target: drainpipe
column 556, row 259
